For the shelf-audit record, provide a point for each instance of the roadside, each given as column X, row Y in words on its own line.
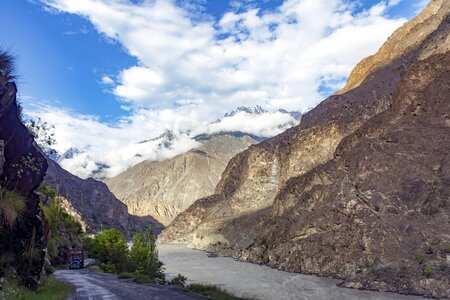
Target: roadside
column 92, row 285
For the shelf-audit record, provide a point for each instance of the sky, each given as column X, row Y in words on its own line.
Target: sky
column 109, row 74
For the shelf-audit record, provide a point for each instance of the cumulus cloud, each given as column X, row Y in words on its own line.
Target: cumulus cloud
column 195, row 68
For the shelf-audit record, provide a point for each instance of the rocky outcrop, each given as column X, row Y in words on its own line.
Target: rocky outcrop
column 359, row 190
column 22, row 231
column 163, row 189
column 91, row 202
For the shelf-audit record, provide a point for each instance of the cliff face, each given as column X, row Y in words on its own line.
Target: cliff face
column 163, row 189
column 23, row 236
column 360, row 187
column 91, row 202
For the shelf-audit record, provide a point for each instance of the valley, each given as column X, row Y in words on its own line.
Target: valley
column 190, row 187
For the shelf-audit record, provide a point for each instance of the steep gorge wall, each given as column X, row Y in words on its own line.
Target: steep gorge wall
column 23, row 167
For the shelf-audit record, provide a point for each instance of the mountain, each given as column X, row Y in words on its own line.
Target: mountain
column 163, row 189
column 91, row 202
column 360, row 189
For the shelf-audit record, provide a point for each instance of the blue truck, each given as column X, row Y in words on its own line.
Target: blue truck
column 76, row 259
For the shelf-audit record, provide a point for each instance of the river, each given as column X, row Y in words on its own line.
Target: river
column 257, row 282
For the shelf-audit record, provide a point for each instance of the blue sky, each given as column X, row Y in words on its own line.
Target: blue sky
column 111, row 73
column 61, row 57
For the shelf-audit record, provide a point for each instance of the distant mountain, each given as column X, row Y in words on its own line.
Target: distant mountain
column 163, row 189
column 257, row 110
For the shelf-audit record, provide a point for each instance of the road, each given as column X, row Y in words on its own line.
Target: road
column 90, row 285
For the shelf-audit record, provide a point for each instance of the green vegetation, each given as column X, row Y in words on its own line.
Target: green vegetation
column 420, row 258
column 179, row 280
column 111, row 251
column 12, row 207
column 125, row 275
column 56, row 217
column 144, row 257
column 426, row 271
column 50, row 289
column 212, row 292
column 141, row 261
column 447, row 248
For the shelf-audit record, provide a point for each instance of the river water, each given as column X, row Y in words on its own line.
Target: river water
column 257, row 282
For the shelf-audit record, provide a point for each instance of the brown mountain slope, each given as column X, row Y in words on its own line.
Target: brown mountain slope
column 91, row 202
column 282, row 190
column 163, row 189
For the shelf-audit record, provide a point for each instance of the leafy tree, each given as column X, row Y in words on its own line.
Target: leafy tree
column 144, row 256
column 110, row 248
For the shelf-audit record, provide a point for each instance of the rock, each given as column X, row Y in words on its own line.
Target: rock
column 23, row 169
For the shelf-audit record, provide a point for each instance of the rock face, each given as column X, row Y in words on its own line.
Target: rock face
column 91, row 202
column 163, row 189
column 360, row 189
column 22, row 168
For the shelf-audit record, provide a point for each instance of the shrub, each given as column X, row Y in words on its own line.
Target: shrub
column 447, row 248
column 420, row 258
column 124, row 275
column 142, row 278
column 426, row 271
column 179, row 280
column 12, row 208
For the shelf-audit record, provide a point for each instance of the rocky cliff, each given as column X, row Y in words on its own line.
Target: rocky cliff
column 163, row 189
column 23, row 236
column 359, row 190
column 91, row 202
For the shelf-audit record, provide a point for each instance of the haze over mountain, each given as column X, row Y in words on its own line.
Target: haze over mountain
column 360, row 188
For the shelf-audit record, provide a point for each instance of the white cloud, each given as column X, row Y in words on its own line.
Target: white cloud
column 132, row 140
column 107, row 80
column 194, row 68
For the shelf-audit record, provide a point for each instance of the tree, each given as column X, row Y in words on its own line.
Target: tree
column 110, row 248
column 144, row 256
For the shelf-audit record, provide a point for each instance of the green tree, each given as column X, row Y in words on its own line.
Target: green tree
column 144, row 256
column 110, row 248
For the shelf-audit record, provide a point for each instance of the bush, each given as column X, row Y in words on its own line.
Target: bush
column 179, row 280
column 142, row 278
column 124, row 275
column 426, row 271
column 420, row 258
column 12, row 208
column 447, row 248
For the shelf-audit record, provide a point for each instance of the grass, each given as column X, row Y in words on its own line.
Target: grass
column 124, row 275
column 212, row 292
column 50, row 289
